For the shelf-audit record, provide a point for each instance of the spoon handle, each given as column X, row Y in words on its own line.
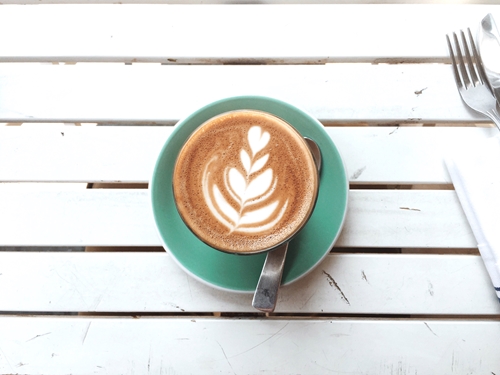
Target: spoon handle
column 266, row 293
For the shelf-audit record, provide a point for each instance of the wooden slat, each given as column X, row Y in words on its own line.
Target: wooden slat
column 239, row 2
column 208, row 346
column 405, row 218
column 234, row 33
column 401, row 155
column 156, row 94
column 153, row 282
column 89, row 217
column 80, row 154
column 104, row 217
column 373, row 155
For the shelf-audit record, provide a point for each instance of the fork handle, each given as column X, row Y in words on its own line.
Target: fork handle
column 495, row 116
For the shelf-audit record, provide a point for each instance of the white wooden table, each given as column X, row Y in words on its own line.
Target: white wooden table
column 97, row 88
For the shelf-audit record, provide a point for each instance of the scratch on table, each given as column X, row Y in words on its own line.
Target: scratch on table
column 225, row 356
column 358, row 173
column 430, row 329
column 70, row 283
column 86, row 333
column 98, row 300
column 262, row 342
column 37, row 336
column 307, row 301
column 453, row 361
column 395, row 130
column 189, row 286
column 324, row 367
column 333, row 283
column 6, row 359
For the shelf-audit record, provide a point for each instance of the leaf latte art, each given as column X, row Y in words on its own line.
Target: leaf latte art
column 247, row 190
column 245, row 182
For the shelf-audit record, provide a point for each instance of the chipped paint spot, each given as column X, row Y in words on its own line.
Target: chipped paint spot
column 395, row 130
column 419, row 92
column 409, row 209
column 431, row 289
column 358, row 173
column 363, row 276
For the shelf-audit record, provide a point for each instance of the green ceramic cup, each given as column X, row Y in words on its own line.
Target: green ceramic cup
column 241, row 273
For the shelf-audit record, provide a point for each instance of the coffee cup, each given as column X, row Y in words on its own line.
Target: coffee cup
column 245, row 182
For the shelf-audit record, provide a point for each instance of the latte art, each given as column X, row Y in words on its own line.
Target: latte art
column 247, row 190
column 245, row 182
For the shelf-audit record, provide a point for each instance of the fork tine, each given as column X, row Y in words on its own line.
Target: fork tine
column 477, row 60
column 470, row 63
column 467, row 66
column 458, row 80
column 461, row 63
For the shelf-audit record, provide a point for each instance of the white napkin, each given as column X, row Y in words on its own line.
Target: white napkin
column 475, row 172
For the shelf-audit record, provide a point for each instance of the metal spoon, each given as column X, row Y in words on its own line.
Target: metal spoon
column 266, row 293
column 488, row 45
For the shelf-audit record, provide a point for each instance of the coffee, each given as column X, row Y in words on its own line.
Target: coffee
column 245, row 181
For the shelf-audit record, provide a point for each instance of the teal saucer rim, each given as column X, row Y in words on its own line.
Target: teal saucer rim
column 311, row 128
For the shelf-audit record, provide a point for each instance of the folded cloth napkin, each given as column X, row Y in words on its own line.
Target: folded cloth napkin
column 475, row 172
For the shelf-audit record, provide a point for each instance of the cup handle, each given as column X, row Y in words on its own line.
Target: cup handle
column 266, row 293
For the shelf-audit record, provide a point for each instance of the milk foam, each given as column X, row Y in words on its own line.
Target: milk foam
column 246, row 182
column 247, row 189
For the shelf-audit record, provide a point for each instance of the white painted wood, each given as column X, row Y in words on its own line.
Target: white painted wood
column 238, row 2
column 153, row 282
column 123, row 217
column 37, row 186
column 150, row 94
column 234, row 33
column 159, row 94
column 401, row 155
column 90, row 217
column 405, row 218
column 373, row 155
column 195, row 345
column 94, row 154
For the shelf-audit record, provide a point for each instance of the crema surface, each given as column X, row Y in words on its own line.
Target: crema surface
column 245, row 181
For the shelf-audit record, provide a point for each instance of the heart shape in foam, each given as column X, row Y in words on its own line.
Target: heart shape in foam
column 257, row 139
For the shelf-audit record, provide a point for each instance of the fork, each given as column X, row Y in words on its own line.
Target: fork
column 470, row 78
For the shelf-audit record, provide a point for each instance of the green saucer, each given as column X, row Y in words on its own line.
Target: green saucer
column 241, row 272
